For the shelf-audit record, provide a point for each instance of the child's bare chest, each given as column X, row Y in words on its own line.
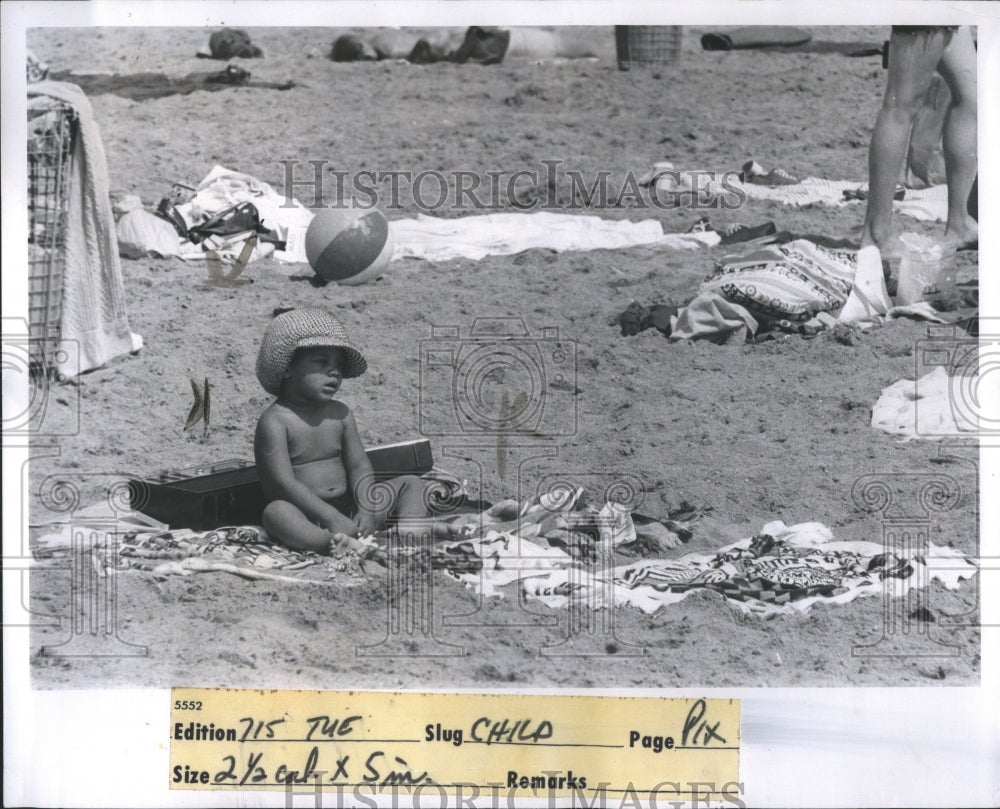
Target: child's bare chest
column 316, row 442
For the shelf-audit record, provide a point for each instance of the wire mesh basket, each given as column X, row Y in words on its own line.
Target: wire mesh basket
column 52, row 129
column 640, row 46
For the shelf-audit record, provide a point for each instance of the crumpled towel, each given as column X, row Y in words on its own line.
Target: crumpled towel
column 94, row 327
column 790, row 281
column 223, row 188
column 141, row 233
column 501, row 234
column 925, row 204
column 931, row 408
column 712, row 317
column 921, row 310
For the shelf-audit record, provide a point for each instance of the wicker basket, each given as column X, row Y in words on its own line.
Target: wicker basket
column 642, row 46
column 52, row 128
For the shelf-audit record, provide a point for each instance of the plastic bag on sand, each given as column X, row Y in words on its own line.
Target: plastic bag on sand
column 926, row 270
column 141, row 233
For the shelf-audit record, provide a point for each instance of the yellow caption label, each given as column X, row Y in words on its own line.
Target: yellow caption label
column 372, row 743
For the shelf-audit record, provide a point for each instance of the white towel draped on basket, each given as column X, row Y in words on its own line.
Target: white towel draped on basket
column 94, row 327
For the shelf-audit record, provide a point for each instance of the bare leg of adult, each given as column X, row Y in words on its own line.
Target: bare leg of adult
column 913, row 58
column 958, row 68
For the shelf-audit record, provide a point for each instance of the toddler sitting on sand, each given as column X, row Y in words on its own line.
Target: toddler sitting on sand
column 313, row 467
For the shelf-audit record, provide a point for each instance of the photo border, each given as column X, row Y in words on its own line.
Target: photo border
column 817, row 747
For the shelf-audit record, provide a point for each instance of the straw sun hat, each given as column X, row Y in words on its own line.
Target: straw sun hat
column 302, row 328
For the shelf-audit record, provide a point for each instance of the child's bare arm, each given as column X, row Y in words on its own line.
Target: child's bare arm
column 360, row 476
column 275, row 469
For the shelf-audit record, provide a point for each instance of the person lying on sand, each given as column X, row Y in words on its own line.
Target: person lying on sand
column 483, row 45
column 316, row 476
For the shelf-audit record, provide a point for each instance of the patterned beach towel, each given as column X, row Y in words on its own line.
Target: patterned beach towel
column 780, row 570
column 793, row 281
column 559, row 553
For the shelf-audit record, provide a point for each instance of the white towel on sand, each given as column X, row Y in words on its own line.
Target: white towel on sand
column 94, row 327
column 934, row 407
column 925, row 204
column 435, row 239
column 502, row 234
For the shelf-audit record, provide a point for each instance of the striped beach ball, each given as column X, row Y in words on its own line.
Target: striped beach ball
column 349, row 245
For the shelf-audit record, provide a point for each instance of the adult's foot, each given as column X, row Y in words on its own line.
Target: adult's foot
column 965, row 237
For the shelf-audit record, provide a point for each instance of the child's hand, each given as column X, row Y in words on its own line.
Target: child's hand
column 347, row 548
column 342, row 525
column 367, row 524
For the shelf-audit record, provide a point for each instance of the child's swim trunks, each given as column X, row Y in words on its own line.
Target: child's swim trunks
column 345, row 504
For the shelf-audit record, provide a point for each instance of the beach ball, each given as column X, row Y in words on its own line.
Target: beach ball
column 349, row 245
